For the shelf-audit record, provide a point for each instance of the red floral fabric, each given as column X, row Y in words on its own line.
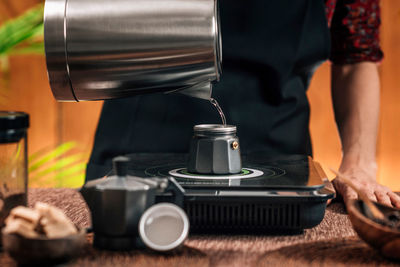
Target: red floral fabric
column 354, row 26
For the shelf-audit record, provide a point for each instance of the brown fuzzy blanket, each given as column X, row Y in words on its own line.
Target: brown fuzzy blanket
column 332, row 243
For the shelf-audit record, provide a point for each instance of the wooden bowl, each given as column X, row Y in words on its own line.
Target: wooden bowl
column 43, row 251
column 382, row 237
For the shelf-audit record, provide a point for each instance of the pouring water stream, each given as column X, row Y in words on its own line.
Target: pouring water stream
column 218, row 107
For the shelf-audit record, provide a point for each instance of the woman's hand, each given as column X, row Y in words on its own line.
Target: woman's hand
column 365, row 180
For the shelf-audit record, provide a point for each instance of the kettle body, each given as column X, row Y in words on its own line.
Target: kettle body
column 101, row 49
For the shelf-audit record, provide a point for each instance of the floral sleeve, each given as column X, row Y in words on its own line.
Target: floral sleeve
column 355, row 32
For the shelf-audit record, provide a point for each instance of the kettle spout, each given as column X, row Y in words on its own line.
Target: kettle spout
column 201, row 90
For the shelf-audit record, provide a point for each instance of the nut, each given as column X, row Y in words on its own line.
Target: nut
column 235, row 145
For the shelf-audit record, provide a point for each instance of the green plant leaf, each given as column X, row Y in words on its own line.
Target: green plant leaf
column 59, row 165
column 77, row 169
column 38, row 160
column 72, row 170
column 74, row 181
column 54, row 168
column 32, row 48
column 18, row 36
column 38, row 32
column 33, row 45
column 66, row 179
column 19, row 29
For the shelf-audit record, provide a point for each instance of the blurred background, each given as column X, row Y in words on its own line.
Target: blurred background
column 61, row 134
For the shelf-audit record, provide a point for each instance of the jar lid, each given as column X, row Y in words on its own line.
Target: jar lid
column 13, row 120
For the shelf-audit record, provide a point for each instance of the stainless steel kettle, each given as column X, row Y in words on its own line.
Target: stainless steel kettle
column 101, row 49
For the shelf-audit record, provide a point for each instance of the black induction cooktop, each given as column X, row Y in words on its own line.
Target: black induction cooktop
column 279, row 194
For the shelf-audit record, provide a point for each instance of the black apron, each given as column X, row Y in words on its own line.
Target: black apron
column 270, row 51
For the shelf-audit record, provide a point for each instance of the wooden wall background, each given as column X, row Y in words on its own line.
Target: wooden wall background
column 53, row 123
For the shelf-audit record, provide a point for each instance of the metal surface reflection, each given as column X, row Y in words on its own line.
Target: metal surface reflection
column 100, row 49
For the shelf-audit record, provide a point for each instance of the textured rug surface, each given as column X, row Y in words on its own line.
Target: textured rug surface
column 332, row 243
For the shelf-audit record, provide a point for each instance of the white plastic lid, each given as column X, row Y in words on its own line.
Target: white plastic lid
column 164, row 227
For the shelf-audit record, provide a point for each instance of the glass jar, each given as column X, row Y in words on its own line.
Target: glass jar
column 13, row 161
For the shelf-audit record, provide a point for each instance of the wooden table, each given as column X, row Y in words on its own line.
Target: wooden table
column 332, row 243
